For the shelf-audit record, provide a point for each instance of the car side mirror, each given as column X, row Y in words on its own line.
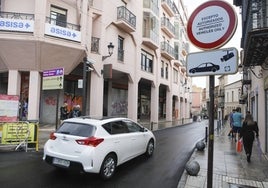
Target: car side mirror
column 143, row 129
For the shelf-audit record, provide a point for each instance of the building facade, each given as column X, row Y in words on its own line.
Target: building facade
column 254, row 61
column 142, row 78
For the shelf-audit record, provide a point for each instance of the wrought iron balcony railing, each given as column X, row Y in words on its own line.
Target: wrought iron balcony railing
column 16, row 15
column 95, row 44
column 62, row 24
column 166, row 23
column 167, row 48
column 152, row 6
column 124, row 14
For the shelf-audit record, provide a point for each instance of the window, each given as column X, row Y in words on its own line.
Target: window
column 175, row 76
column 166, row 71
column 132, row 127
column 120, row 54
column 146, row 62
column 118, row 127
column 58, row 16
column 162, row 69
column 77, row 129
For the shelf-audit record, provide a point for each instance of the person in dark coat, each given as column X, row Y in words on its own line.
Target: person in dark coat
column 76, row 112
column 248, row 131
column 64, row 112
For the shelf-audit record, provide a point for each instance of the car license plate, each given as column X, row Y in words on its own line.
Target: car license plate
column 61, row 162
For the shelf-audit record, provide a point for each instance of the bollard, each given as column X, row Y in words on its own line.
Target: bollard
column 192, row 168
column 206, row 135
column 200, row 146
column 152, row 126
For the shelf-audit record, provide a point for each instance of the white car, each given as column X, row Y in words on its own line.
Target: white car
column 97, row 145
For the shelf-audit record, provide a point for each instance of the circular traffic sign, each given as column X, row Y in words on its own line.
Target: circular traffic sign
column 212, row 25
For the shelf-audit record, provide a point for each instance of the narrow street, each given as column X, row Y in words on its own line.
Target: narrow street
column 164, row 169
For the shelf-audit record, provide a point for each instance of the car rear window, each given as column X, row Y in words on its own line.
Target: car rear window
column 77, row 129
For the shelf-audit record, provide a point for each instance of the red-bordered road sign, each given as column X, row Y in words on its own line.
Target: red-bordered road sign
column 212, row 25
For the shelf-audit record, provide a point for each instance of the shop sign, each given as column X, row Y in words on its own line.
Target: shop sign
column 53, row 79
column 16, row 25
column 62, row 32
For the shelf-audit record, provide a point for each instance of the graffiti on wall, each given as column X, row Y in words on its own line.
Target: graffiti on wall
column 119, row 107
column 50, row 100
column 72, row 100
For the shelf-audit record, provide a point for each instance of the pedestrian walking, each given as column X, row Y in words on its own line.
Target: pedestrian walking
column 231, row 121
column 247, row 133
column 64, row 112
column 237, row 122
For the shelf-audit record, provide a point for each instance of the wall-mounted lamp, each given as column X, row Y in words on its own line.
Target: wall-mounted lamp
column 110, row 51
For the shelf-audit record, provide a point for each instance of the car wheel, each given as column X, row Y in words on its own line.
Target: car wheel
column 214, row 69
column 193, row 71
column 150, row 148
column 108, row 167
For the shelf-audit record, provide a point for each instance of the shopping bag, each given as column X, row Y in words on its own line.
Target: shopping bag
column 239, row 145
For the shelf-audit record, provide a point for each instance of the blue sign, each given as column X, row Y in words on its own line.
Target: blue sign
column 53, row 72
column 16, row 25
column 62, row 32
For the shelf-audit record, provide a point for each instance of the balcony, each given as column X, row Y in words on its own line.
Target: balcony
column 167, row 51
column 221, row 93
column 167, row 27
column 246, row 78
column 221, row 104
column 255, row 33
column 150, row 31
column 150, row 5
column 150, row 39
column 126, row 20
column 168, row 7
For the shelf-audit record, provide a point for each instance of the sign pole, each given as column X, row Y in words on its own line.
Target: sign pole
column 84, row 87
column 211, row 132
column 57, row 109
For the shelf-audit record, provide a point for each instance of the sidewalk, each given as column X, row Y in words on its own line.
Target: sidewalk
column 230, row 169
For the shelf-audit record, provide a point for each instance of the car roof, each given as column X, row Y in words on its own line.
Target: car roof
column 95, row 120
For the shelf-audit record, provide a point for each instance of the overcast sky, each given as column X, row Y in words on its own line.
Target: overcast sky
column 234, row 42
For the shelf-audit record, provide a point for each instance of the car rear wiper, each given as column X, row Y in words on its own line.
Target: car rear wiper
column 64, row 132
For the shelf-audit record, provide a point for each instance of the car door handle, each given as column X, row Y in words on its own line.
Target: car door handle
column 117, row 141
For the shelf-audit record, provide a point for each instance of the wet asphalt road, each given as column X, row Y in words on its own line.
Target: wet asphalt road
column 164, row 169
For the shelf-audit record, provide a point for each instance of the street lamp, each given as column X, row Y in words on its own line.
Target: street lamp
column 110, row 51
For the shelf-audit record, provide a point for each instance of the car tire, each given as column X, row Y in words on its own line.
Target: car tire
column 108, row 167
column 150, row 148
column 214, row 69
column 193, row 71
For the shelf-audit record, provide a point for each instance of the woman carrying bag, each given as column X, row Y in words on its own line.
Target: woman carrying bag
column 248, row 131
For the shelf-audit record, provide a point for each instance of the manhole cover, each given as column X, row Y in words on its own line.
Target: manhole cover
column 240, row 186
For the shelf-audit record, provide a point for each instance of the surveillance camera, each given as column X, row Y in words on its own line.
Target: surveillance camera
column 227, row 57
column 89, row 69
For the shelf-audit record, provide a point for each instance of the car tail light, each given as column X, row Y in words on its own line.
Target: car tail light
column 91, row 141
column 52, row 136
